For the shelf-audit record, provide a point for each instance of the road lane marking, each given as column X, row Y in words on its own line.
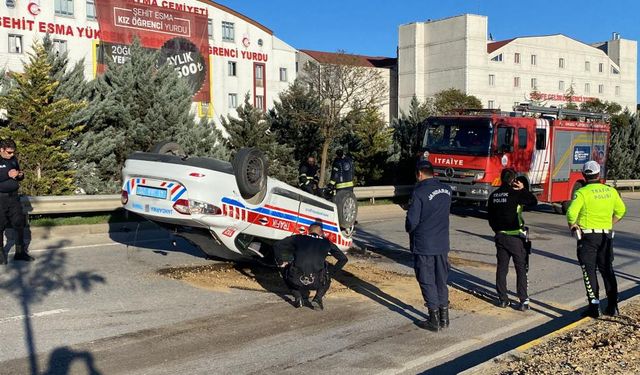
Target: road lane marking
column 34, row 315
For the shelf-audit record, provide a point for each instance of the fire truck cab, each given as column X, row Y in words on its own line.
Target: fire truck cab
column 546, row 146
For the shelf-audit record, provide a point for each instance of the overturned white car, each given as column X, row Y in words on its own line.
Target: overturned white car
column 233, row 210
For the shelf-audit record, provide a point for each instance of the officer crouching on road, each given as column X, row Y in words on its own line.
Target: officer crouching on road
column 10, row 206
column 505, row 218
column 308, row 179
column 308, row 270
column 341, row 172
column 591, row 215
column 428, row 226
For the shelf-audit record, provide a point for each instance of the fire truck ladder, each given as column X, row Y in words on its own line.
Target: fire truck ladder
column 561, row 112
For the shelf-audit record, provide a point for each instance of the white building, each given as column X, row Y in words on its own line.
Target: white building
column 456, row 53
column 245, row 57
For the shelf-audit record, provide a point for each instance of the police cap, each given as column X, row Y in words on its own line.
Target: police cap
column 591, row 168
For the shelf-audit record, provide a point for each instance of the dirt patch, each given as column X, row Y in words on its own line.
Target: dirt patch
column 603, row 346
column 362, row 279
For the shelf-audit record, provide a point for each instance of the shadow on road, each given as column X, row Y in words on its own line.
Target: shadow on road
column 63, row 358
column 29, row 283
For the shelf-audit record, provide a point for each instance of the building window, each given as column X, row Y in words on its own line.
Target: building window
column 60, row 46
column 561, row 63
column 497, row 58
column 492, row 80
column 516, row 81
column 259, row 74
column 587, row 88
column 15, row 43
column 534, row 59
column 232, row 68
column 601, row 68
column 534, row 83
column 491, row 104
column 600, row 89
column 617, row 90
column 283, row 74
column 63, row 7
column 260, row 102
column 587, row 66
column 614, row 70
column 228, row 32
column 233, row 101
column 516, row 58
column 210, row 28
column 91, row 9
column 561, row 85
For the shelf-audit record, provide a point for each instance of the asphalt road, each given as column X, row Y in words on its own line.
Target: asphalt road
column 95, row 304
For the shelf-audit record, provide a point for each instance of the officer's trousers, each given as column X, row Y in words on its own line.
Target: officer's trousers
column 508, row 247
column 432, row 272
column 301, row 292
column 11, row 212
column 595, row 250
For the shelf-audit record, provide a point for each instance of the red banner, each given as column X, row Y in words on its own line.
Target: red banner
column 179, row 32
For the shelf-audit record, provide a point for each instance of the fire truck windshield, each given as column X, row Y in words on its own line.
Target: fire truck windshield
column 458, row 136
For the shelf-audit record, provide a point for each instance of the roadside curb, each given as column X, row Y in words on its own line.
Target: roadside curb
column 86, row 229
column 519, row 351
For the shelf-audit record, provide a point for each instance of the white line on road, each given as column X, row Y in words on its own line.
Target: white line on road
column 35, row 315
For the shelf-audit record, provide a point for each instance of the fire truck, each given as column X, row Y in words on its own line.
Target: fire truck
column 546, row 146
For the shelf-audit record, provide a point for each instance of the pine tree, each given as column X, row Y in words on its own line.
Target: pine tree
column 38, row 122
column 134, row 106
column 251, row 129
column 448, row 100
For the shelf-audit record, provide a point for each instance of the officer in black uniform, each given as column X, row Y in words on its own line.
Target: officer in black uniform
column 308, row 179
column 428, row 226
column 505, row 218
column 308, row 270
column 10, row 206
column 341, row 172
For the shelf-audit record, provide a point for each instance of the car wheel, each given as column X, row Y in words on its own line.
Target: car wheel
column 564, row 206
column 347, row 208
column 250, row 169
column 168, row 148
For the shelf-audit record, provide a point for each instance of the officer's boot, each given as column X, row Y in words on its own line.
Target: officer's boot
column 612, row 306
column 433, row 323
column 21, row 254
column 444, row 317
column 593, row 310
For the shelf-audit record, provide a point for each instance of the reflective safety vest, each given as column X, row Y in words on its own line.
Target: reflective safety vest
column 342, row 173
column 594, row 206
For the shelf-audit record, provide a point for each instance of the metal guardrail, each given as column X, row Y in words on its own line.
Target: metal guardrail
column 68, row 204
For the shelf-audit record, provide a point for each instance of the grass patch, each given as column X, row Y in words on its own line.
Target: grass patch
column 119, row 216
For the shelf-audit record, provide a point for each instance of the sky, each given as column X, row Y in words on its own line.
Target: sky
column 371, row 27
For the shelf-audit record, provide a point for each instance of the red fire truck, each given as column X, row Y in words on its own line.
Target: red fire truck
column 547, row 146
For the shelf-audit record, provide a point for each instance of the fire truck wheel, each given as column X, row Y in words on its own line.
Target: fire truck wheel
column 565, row 205
column 168, row 148
column 250, row 169
column 347, row 208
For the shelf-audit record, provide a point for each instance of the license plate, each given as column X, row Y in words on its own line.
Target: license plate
column 151, row 192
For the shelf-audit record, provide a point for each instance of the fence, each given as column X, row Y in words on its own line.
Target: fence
column 67, row 204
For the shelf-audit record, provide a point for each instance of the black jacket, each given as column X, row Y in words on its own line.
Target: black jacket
column 8, row 184
column 309, row 252
column 342, row 170
column 428, row 218
column 308, row 174
column 503, row 208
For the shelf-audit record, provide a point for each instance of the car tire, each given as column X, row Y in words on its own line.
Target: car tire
column 347, row 205
column 168, row 148
column 564, row 206
column 250, row 169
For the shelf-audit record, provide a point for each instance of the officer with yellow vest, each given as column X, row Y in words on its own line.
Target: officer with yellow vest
column 593, row 212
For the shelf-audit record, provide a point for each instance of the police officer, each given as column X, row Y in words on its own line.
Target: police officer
column 505, row 218
column 591, row 215
column 341, row 172
column 10, row 206
column 308, row 178
column 427, row 223
column 308, row 270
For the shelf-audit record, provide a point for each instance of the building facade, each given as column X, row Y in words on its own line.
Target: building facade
column 553, row 69
column 245, row 57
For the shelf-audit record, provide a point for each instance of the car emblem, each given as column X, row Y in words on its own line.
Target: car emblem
column 301, row 230
column 263, row 221
column 449, row 172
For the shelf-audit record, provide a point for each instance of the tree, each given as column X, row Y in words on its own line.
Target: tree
column 370, row 143
column 536, row 98
column 134, row 106
column 448, row 100
column 598, row 106
column 624, row 154
column 38, row 122
column 569, row 95
column 294, row 121
column 342, row 89
column 251, row 129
